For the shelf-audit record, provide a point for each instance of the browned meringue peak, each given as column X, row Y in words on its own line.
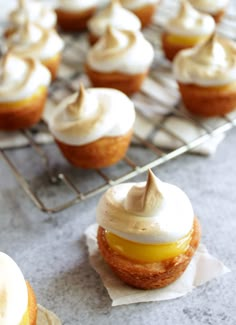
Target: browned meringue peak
column 110, row 38
column 144, row 200
column 215, row 51
column 76, row 107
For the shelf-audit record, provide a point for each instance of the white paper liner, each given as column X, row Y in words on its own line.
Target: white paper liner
column 203, row 267
column 46, row 317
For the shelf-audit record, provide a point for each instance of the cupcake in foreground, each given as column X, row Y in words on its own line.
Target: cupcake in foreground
column 113, row 15
column 31, row 40
column 33, row 11
column 143, row 9
column 186, row 30
column 73, row 15
column 115, row 60
column 147, row 232
column 207, row 77
column 18, row 304
column 93, row 128
column 23, row 91
column 215, row 8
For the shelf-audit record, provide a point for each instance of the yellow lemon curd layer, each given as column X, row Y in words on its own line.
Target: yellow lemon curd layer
column 147, row 253
column 25, row 319
column 185, row 40
column 23, row 102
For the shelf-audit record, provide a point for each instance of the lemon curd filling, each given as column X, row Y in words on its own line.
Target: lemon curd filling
column 147, row 253
column 25, row 319
column 185, row 40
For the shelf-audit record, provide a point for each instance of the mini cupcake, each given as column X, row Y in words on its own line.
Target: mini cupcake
column 33, row 11
column 73, row 15
column 186, row 30
column 113, row 15
column 93, row 129
column 23, row 91
column 143, row 9
column 18, row 302
column 31, row 40
column 212, row 7
column 115, row 60
column 207, row 77
column 147, row 232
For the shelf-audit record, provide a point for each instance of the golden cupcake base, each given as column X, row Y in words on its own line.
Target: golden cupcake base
column 32, row 305
column 74, row 21
column 98, row 154
column 128, row 84
column 148, row 275
column 24, row 113
column 208, row 101
column 145, row 14
column 53, row 65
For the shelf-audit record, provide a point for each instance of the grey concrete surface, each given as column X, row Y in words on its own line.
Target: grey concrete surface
column 51, row 249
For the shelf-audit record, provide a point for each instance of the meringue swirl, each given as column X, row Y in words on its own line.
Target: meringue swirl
column 190, row 22
column 135, row 4
column 29, row 77
column 92, row 114
column 212, row 63
column 33, row 11
column 119, row 51
column 147, row 212
column 77, row 5
column 31, row 40
column 13, row 292
column 209, row 6
column 113, row 15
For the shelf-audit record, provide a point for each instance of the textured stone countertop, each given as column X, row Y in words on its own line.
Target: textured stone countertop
column 51, row 249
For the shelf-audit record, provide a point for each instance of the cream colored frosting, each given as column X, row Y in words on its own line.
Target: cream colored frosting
column 136, row 4
column 190, row 22
column 31, row 40
column 92, row 114
column 212, row 63
column 46, row 317
column 113, row 15
column 209, row 6
column 20, row 78
column 121, row 51
column 33, row 11
column 77, row 5
column 147, row 212
column 13, row 292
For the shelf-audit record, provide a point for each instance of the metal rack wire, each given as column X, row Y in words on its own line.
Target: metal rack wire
column 58, row 175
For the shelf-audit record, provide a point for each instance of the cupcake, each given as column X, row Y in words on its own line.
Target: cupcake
column 115, row 60
column 33, row 11
column 186, row 30
column 31, row 40
column 143, row 9
column 18, row 304
column 113, row 15
column 147, row 232
column 23, row 91
column 212, row 7
column 93, row 129
column 207, row 77
column 73, row 15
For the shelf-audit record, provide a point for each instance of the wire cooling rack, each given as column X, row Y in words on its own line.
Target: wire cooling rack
column 41, row 165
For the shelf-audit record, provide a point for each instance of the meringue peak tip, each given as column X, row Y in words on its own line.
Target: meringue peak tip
column 114, row 3
column 111, row 39
column 21, row 3
column 75, row 107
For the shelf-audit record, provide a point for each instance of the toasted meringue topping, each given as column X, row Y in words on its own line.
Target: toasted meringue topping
column 31, row 40
column 77, row 5
column 135, row 4
column 190, row 22
column 29, row 77
column 92, row 114
column 118, row 51
column 13, row 292
column 209, row 6
column 115, row 16
column 212, row 63
column 147, row 212
column 33, row 11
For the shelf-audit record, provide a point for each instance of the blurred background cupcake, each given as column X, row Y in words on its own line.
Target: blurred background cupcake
column 187, row 29
column 215, row 8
